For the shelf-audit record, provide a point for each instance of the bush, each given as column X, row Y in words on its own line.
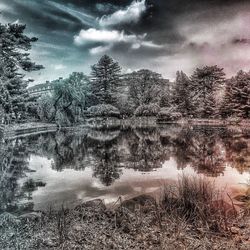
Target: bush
column 169, row 115
column 103, row 110
column 147, row 110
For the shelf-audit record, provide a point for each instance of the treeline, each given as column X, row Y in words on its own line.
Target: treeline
column 206, row 94
column 107, row 92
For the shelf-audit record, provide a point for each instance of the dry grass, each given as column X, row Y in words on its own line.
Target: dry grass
column 197, row 201
column 188, row 217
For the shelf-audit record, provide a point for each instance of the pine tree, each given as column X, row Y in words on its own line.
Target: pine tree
column 105, row 80
column 145, row 87
column 5, row 104
column 14, row 58
column 236, row 100
column 4, row 98
column 181, row 94
column 205, row 83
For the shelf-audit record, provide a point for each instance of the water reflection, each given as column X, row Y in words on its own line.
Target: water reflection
column 89, row 163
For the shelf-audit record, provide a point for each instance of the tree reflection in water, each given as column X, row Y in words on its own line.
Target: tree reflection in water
column 208, row 150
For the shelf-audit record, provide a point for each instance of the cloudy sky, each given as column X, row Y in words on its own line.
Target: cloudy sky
column 161, row 35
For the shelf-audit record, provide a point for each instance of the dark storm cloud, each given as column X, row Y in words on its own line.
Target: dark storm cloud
column 166, row 35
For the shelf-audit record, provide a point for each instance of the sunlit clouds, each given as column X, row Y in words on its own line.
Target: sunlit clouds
column 161, row 35
column 130, row 14
column 111, row 37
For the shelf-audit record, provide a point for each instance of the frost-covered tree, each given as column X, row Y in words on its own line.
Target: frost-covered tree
column 14, row 57
column 205, row 84
column 236, row 100
column 181, row 98
column 105, row 80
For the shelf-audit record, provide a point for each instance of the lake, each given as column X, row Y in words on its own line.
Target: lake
column 44, row 171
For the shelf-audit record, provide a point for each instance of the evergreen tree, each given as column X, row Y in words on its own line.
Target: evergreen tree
column 236, row 100
column 5, row 103
column 105, row 80
column 14, row 58
column 181, row 94
column 205, row 82
column 145, row 87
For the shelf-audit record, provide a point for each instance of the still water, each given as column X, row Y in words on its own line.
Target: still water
column 45, row 171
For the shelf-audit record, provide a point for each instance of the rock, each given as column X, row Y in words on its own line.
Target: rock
column 235, row 230
column 138, row 200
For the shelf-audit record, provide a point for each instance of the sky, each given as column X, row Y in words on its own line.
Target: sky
column 160, row 35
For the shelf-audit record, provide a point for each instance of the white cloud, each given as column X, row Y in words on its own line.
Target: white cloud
column 99, row 49
column 131, row 14
column 59, row 66
column 105, row 36
column 111, row 37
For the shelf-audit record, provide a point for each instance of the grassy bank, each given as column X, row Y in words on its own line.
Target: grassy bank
column 189, row 216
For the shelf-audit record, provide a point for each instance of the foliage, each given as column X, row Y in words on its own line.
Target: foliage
column 15, row 59
column 169, row 114
column 145, row 87
column 103, row 110
column 105, row 80
column 45, row 108
column 236, row 100
column 147, row 110
column 181, row 96
column 69, row 98
column 205, row 83
column 5, row 102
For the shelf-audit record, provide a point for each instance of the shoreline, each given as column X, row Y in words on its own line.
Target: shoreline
column 30, row 128
column 16, row 130
column 138, row 223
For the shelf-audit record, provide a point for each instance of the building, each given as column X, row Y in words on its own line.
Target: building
column 43, row 88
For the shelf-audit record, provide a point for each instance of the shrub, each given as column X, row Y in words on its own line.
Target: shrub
column 169, row 115
column 147, row 110
column 103, row 110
